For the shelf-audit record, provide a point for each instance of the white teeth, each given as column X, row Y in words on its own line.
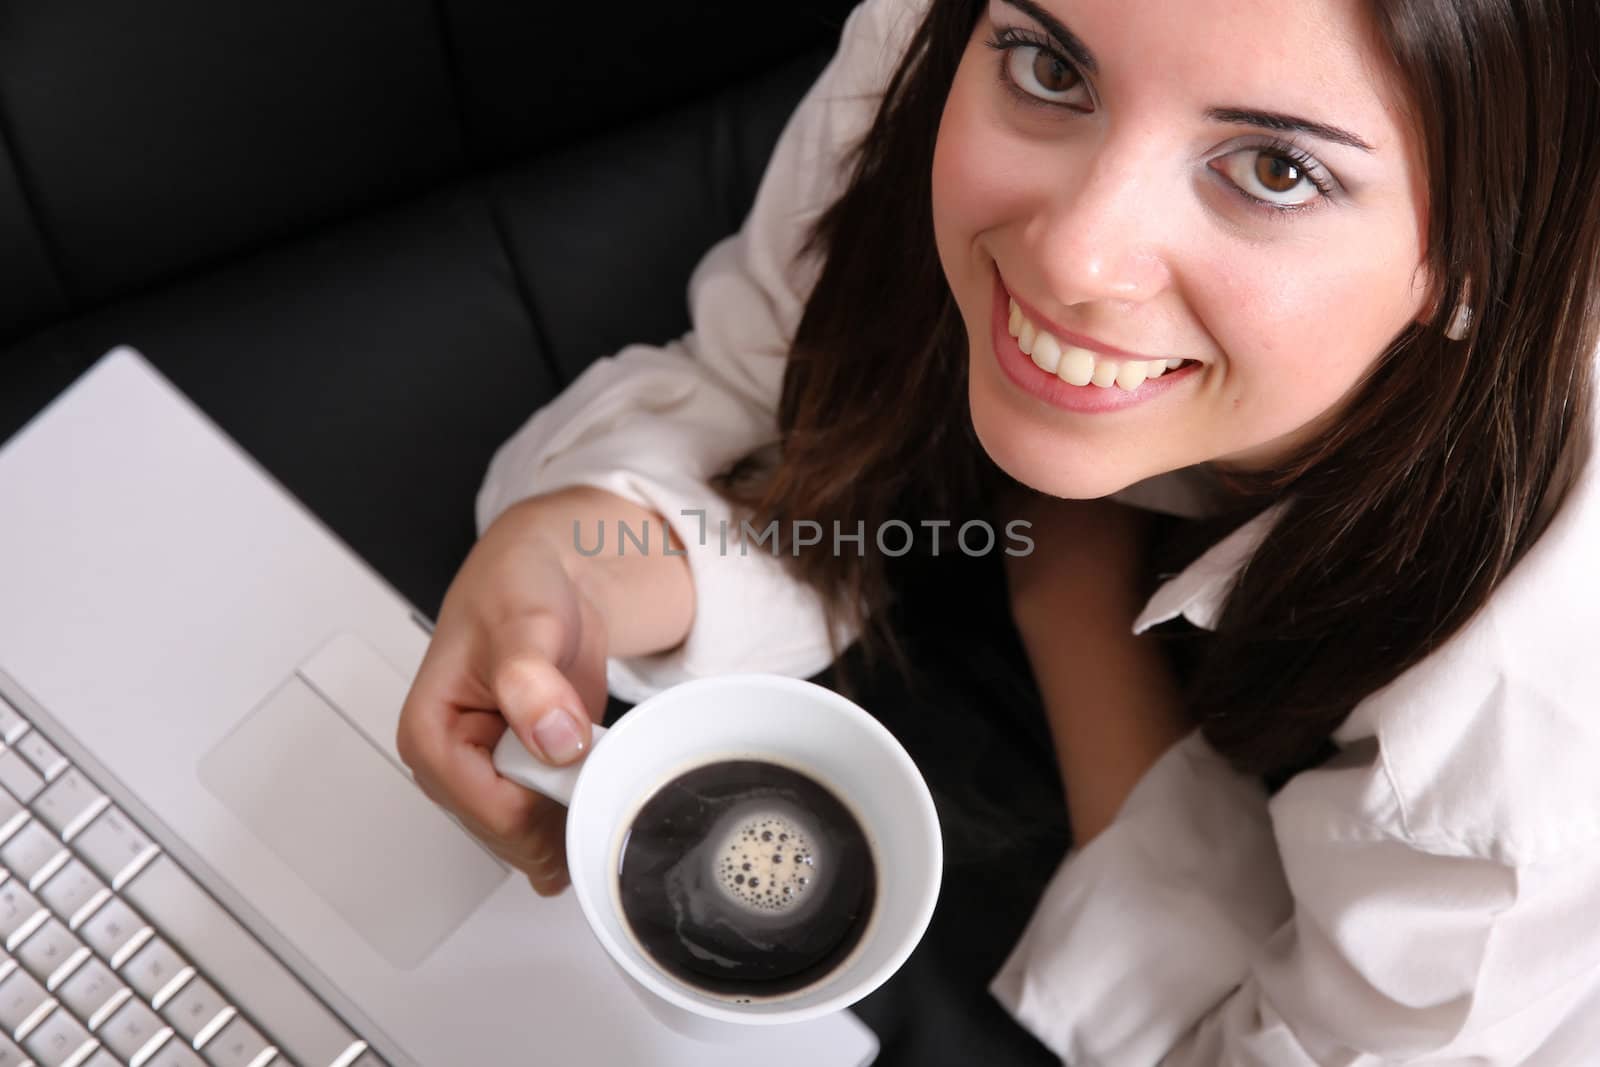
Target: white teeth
column 1079, row 366
column 1076, row 367
column 1046, row 352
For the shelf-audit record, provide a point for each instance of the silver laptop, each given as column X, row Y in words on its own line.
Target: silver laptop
column 211, row 851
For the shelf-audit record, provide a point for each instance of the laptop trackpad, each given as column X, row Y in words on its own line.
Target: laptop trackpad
column 323, row 798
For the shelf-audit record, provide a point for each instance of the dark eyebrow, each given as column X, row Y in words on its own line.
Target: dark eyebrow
column 1075, row 49
column 1079, row 53
column 1272, row 120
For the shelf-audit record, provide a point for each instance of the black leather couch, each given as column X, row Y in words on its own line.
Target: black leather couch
column 370, row 237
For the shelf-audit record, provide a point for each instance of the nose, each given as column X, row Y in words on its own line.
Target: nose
column 1096, row 234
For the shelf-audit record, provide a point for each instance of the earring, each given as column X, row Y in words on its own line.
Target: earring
column 1459, row 324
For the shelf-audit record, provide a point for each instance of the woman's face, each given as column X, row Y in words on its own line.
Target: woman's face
column 1138, row 198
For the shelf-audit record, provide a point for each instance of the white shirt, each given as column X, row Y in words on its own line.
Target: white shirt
column 1431, row 895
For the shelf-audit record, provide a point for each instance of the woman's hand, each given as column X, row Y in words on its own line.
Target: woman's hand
column 1112, row 699
column 518, row 645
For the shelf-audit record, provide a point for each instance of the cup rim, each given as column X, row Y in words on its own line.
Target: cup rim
column 922, row 908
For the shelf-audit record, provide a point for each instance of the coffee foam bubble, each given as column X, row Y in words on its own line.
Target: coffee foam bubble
column 765, row 859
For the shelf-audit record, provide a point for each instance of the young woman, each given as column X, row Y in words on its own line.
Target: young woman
column 1278, row 323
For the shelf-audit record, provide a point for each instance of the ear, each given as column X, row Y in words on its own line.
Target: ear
column 1460, row 319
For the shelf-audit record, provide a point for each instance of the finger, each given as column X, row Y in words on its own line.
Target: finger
column 549, row 887
column 427, row 717
column 587, row 669
column 527, row 824
column 541, row 837
column 540, row 703
column 452, row 691
column 541, row 855
column 447, row 736
column 426, row 711
column 537, row 846
column 506, row 810
column 475, row 726
column 550, row 876
column 531, row 851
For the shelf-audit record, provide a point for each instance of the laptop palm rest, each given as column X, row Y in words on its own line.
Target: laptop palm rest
column 333, row 807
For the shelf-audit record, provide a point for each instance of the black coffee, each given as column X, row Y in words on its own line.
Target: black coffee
column 746, row 879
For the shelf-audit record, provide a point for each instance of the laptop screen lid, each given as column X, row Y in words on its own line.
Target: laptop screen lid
column 236, row 671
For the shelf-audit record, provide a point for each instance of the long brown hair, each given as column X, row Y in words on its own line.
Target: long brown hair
column 1399, row 521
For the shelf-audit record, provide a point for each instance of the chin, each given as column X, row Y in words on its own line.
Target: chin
column 1028, row 456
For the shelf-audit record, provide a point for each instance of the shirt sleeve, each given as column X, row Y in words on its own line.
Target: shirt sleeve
column 1207, row 927
column 1148, row 926
column 653, row 423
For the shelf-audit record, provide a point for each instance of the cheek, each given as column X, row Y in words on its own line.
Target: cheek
column 1299, row 337
column 980, row 176
column 955, row 220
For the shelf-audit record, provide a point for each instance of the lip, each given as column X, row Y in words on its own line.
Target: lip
column 1068, row 337
column 1091, row 399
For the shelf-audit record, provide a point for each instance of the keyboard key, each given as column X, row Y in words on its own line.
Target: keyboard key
column 56, row 1040
column 101, row 1058
column 46, row 949
column 45, row 757
column 18, row 777
column 89, row 988
column 113, row 846
column 70, row 890
column 10, row 1054
column 131, row 1028
column 175, row 1054
column 368, row 1058
column 12, row 724
column 12, row 815
column 193, row 1008
column 17, row 906
column 153, row 968
column 20, row 996
column 110, row 928
column 65, row 801
column 217, row 944
column 30, row 850
column 237, row 1045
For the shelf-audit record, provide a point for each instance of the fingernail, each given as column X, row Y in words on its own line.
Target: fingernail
column 557, row 736
column 550, row 888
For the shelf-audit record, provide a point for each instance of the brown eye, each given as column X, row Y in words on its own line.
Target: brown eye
column 1035, row 72
column 1264, row 173
column 1277, row 174
column 1053, row 75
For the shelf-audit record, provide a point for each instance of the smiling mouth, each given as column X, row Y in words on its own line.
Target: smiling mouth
column 1081, row 366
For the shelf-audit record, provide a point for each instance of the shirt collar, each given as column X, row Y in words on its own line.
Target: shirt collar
column 1199, row 590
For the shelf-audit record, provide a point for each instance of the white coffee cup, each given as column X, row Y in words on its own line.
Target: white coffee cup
column 746, row 716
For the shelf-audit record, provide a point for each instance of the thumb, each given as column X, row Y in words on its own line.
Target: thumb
column 539, row 703
column 586, row 671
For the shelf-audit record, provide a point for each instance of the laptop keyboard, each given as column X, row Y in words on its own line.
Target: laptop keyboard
column 113, row 955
